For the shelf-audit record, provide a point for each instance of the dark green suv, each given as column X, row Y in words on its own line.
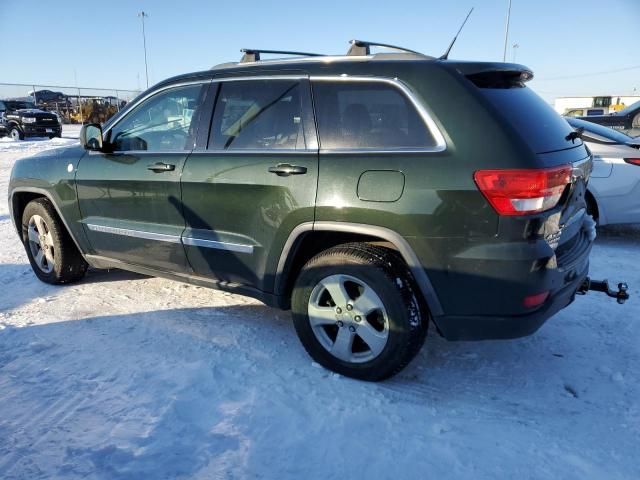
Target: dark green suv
column 371, row 194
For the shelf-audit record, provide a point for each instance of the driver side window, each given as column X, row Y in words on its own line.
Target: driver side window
column 163, row 122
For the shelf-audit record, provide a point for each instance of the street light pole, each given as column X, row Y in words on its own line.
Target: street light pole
column 506, row 33
column 142, row 15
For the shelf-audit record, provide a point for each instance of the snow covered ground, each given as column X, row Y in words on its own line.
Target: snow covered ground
column 127, row 377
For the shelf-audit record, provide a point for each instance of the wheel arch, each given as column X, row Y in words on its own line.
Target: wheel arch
column 21, row 196
column 591, row 199
column 319, row 236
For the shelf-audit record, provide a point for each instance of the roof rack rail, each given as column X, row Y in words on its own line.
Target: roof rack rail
column 362, row 47
column 253, row 54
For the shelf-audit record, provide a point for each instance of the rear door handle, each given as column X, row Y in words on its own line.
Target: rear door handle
column 161, row 167
column 284, row 170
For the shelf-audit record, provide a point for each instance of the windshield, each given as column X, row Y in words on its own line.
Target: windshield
column 594, row 128
column 15, row 105
column 630, row 108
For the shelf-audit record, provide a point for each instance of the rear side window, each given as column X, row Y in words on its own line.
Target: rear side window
column 258, row 114
column 368, row 115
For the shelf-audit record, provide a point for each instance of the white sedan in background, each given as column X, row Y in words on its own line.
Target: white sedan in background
column 613, row 194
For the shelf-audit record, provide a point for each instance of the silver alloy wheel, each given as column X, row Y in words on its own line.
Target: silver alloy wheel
column 15, row 134
column 41, row 243
column 348, row 318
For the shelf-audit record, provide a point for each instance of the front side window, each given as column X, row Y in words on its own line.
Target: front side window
column 368, row 115
column 258, row 114
column 162, row 122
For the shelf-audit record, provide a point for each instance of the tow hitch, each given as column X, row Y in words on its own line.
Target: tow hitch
column 620, row 295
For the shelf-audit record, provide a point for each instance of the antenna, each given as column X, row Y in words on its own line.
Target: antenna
column 445, row 55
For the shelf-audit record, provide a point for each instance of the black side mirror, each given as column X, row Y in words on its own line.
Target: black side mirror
column 91, row 137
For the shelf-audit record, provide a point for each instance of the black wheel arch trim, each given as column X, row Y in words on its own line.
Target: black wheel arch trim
column 403, row 247
column 47, row 195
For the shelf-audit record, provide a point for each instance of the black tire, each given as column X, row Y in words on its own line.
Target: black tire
column 68, row 265
column 384, row 271
column 16, row 133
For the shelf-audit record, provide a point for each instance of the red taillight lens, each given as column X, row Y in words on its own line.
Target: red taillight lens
column 535, row 300
column 633, row 161
column 522, row 192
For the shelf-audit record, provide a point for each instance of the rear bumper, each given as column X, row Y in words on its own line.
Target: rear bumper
column 515, row 326
column 491, row 303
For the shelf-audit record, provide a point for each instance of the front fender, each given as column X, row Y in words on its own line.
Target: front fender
column 50, row 174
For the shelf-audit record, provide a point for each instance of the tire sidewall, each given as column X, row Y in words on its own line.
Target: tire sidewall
column 37, row 208
column 389, row 292
column 18, row 136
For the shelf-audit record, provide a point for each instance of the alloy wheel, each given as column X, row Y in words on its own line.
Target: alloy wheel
column 41, row 243
column 348, row 318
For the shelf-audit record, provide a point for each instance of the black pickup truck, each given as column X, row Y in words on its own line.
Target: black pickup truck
column 626, row 120
column 20, row 119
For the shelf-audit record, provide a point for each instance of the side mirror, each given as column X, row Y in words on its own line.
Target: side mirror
column 91, row 137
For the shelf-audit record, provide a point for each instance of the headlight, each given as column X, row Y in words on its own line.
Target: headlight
column 28, row 120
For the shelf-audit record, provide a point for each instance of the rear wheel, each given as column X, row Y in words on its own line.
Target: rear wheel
column 53, row 256
column 636, row 121
column 356, row 313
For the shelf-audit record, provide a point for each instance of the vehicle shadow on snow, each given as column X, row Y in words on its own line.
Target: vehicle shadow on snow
column 167, row 392
column 19, row 285
column 148, row 395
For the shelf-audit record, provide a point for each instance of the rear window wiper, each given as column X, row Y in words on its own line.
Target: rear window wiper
column 577, row 133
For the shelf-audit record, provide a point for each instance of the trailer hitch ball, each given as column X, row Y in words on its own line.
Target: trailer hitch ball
column 621, row 295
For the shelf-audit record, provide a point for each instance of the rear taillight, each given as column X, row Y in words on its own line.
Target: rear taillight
column 633, row 161
column 522, row 192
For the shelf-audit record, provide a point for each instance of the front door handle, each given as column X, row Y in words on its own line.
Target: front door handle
column 284, row 170
column 161, row 167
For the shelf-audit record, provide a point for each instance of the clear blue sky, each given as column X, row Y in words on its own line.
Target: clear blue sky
column 102, row 41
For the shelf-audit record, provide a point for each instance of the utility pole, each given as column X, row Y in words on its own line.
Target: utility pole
column 142, row 15
column 506, row 33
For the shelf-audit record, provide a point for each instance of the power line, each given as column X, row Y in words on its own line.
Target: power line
column 593, row 74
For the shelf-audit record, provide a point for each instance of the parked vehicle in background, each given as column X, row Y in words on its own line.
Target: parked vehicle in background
column 583, row 112
column 626, row 120
column 22, row 119
column 342, row 187
column 604, row 104
column 613, row 194
column 48, row 96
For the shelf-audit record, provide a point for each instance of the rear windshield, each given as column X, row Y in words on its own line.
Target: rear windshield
column 538, row 124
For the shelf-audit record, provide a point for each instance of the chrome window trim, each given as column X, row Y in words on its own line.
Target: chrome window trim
column 231, row 247
column 259, row 78
column 430, row 123
column 151, row 94
column 441, row 144
column 126, row 232
column 256, row 151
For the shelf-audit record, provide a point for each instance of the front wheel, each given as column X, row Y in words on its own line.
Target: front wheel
column 16, row 134
column 53, row 256
column 356, row 313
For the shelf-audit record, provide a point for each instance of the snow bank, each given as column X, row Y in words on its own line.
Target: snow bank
column 127, row 377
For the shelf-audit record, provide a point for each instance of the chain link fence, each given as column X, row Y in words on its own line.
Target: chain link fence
column 73, row 105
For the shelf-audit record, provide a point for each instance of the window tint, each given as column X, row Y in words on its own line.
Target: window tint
column 162, row 122
column 258, row 115
column 367, row 115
